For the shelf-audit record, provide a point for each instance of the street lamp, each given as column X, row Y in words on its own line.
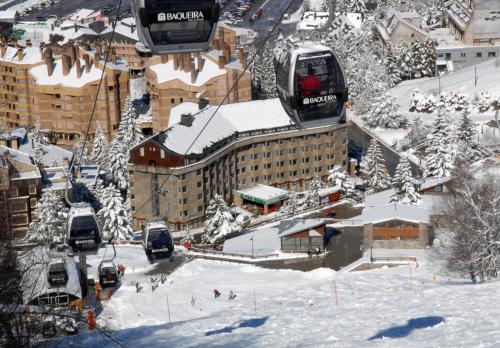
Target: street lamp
column 252, row 244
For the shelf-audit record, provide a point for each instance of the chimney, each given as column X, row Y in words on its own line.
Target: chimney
column 3, row 49
column 28, row 42
column 221, row 39
column 243, row 57
column 222, row 62
column 227, row 52
column 199, row 60
column 216, row 44
column 202, row 103
column 193, row 72
column 176, row 61
column 104, row 50
column 78, row 67
column 86, row 58
column 181, row 61
column 49, row 60
column 113, row 55
column 96, row 59
column 20, row 54
column 164, row 58
column 187, row 62
column 98, row 50
column 66, row 64
column 42, row 46
column 186, row 120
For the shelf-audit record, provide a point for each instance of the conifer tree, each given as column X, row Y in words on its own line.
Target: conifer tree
column 219, row 222
column 50, row 227
column 384, row 112
column 403, row 184
column 392, row 68
column 313, row 197
column 465, row 131
column 100, row 149
column 114, row 216
column 438, row 157
column 379, row 179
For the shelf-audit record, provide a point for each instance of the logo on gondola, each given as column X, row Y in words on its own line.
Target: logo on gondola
column 181, row 16
column 322, row 99
column 162, row 250
column 85, row 241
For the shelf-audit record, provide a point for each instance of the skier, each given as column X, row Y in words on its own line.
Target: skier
column 310, row 85
column 121, row 270
column 232, row 295
column 216, row 293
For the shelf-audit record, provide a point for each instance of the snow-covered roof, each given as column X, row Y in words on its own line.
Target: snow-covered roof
column 31, row 55
column 125, row 27
column 292, row 226
column 19, row 133
column 328, row 190
column 8, row 15
column 458, row 13
column 397, row 211
column 55, row 178
column 35, row 276
column 228, row 120
column 383, row 198
column 89, row 174
column 84, row 13
column 313, row 20
column 431, row 182
column 165, row 72
column 16, row 155
column 42, row 77
column 263, row 193
column 53, row 156
column 265, row 241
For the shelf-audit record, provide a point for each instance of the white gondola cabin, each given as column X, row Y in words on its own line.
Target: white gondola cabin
column 83, row 231
column 157, row 242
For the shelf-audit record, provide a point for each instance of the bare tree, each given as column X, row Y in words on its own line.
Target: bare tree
column 470, row 226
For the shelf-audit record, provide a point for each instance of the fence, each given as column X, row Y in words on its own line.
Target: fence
column 224, row 254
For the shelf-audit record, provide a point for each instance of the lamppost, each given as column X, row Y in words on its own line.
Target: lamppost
column 371, row 252
column 252, row 244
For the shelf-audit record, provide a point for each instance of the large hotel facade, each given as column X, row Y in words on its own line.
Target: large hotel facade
column 242, row 145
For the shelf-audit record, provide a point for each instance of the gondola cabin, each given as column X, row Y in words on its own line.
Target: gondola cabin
column 311, row 83
column 57, row 275
column 108, row 274
column 175, row 26
column 83, row 230
column 157, row 242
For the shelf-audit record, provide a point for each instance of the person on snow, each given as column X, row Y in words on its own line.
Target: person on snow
column 317, row 251
column 216, row 293
column 232, row 295
column 121, row 270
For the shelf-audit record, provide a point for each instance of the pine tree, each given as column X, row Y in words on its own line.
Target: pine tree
column 38, row 134
column 391, row 67
column 265, row 74
column 379, row 179
column 405, row 61
column 338, row 177
column 384, row 112
column 367, row 161
column 293, row 204
column 50, row 227
column 313, row 197
column 357, row 6
column 80, row 157
column 129, row 132
column 117, row 166
column 403, row 184
column 100, row 148
column 218, row 223
column 306, row 6
column 325, row 5
column 438, row 157
column 465, row 131
column 114, row 216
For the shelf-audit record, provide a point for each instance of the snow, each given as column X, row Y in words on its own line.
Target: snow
column 51, row 154
column 16, row 155
column 427, row 201
column 84, row 13
column 397, row 211
column 71, row 80
column 229, row 119
column 125, row 27
column 266, row 193
column 265, row 241
column 31, row 55
column 299, row 309
column 165, row 72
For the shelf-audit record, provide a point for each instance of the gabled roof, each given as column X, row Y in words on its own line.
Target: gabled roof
column 396, row 211
column 431, row 182
column 53, row 156
column 292, row 226
column 16, row 155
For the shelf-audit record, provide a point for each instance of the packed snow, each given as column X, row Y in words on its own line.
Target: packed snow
column 291, row 308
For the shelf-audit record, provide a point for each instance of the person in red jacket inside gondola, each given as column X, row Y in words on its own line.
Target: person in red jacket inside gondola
column 310, row 85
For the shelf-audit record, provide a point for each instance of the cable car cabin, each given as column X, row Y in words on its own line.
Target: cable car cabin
column 157, row 242
column 175, row 26
column 58, row 274
column 311, row 84
column 83, row 230
column 108, row 274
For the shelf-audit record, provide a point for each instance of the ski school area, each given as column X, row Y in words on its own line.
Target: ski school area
column 402, row 300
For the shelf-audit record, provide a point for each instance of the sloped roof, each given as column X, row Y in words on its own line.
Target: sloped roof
column 16, row 155
column 31, row 55
column 266, row 193
column 53, row 156
column 396, row 211
column 42, row 77
column 292, row 226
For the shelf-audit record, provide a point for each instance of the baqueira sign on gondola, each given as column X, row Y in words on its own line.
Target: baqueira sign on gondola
column 181, row 16
column 321, row 99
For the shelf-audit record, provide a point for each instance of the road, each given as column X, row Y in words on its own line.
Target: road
column 362, row 138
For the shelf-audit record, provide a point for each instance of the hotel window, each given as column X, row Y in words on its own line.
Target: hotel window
column 479, row 54
column 492, row 54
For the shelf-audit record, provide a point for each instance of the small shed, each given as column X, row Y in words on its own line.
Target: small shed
column 267, row 198
column 400, row 226
column 302, row 235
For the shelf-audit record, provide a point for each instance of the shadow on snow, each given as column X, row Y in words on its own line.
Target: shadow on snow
column 413, row 324
column 252, row 323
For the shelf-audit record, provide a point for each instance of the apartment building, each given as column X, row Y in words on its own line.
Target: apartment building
column 59, row 91
column 243, row 145
column 177, row 78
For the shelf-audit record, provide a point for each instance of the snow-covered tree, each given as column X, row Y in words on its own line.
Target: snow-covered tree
column 484, row 101
column 80, row 157
column 384, row 112
column 405, row 60
column 392, row 68
column 465, row 131
column 313, row 197
column 325, row 6
column 293, row 205
column 403, row 183
column 218, row 223
column 100, row 149
column 117, row 166
column 129, row 132
column 356, row 6
column 114, row 216
column 338, row 177
column 423, row 59
column 264, row 73
column 306, row 6
column 418, row 132
column 470, row 234
column 438, row 154
column 50, row 227
column 38, row 134
column 378, row 176
column 367, row 160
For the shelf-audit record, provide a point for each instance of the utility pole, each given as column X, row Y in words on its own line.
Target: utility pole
column 155, row 200
column 252, row 244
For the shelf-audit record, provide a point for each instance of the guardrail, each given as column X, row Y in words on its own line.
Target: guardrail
column 224, row 254
column 396, row 258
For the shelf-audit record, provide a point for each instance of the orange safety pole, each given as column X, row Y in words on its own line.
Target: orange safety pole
column 168, row 308
column 90, row 320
